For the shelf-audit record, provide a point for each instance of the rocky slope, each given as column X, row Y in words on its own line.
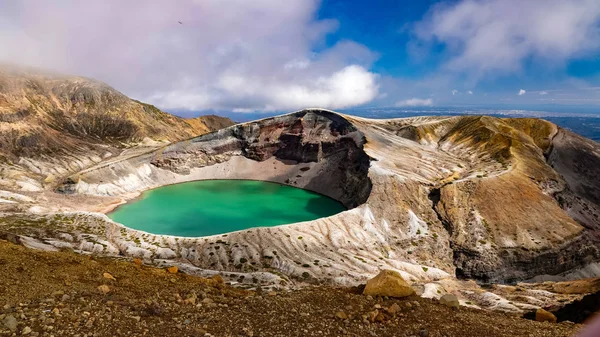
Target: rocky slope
column 58, row 294
column 52, row 124
column 442, row 200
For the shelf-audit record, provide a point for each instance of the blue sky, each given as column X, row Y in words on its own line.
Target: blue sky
column 388, row 29
column 269, row 56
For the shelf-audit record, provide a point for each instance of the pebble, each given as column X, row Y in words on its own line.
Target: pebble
column 10, row 322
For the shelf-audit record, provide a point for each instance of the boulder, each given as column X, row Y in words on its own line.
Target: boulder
column 450, row 300
column 542, row 315
column 388, row 283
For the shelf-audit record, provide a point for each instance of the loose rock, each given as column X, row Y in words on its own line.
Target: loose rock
column 104, row 289
column 109, row 276
column 450, row 300
column 10, row 322
column 542, row 315
column 388, row 283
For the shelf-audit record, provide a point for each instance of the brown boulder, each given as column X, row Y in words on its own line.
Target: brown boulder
column 388, row 283
column 542, row 315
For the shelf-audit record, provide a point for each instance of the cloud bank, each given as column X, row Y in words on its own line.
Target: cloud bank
column 226, row 54
column 483, row 37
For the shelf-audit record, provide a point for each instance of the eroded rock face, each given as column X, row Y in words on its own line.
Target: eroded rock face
column 302, row 137
column 502, row 214
column 316, row 150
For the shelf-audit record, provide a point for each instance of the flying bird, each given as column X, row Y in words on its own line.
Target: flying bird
column 181, row 23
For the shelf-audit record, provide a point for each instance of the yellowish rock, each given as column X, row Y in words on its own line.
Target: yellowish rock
column 393, row 309
column 388, row 283
column 104, row 289
column 173, row 269
column 191, row 299
column 542, row 315
column 109, row 276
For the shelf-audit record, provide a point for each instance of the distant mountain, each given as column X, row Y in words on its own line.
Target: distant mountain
column 52, row 125
column 45, row 113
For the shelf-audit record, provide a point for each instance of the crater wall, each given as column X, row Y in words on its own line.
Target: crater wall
column 311, row 149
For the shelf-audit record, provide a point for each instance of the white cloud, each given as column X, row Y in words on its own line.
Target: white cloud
column 521, row 92
column 415, row 102
column 499, row 35
column 454, row 92
column 470, row 92
column 227, row 54
column 299, row 63
column 542, row 93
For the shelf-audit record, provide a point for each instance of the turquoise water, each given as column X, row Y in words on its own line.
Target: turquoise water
column 209, row 207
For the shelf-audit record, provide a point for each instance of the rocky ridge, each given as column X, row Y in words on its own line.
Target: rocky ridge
column 52, row 125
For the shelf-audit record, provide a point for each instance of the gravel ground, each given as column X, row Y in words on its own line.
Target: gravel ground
column 67, row 294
